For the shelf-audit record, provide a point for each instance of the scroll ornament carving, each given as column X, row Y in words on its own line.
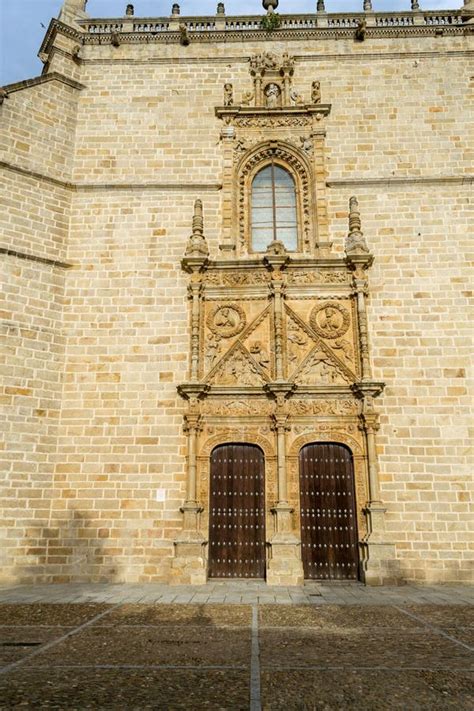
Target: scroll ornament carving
column 213, row 349
column 237, row 408
column 323, row 407
column 272, row 121
column 316, row 277
column 227, row 320
column 297, row 343
column 330, row 320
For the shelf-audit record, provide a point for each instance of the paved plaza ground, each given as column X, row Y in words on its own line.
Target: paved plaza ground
column 236, row 646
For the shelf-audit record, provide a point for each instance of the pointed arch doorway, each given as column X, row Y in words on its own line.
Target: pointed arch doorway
column 237, row 512
column 329, row 538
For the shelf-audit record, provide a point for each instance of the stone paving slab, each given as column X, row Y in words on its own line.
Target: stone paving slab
column 334, row 617
column 151, row 646
column 216, row 656
column 370, row 690
column 363, row 648
column 240, row 592
column 126, row 689
column 180, row 615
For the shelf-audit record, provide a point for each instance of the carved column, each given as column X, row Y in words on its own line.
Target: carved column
column 285, row 566
column 189, row 563
column 278, row 291
column 228, row 139
column 379, row 564
column 361, row 289
column 195, row 290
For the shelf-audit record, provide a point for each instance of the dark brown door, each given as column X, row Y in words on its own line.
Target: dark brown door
column 328, row 513
column 237, row 512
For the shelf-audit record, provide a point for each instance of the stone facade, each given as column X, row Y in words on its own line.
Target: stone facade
column 109, row 307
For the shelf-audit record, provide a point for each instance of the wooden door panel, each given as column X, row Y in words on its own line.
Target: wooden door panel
column 237, row 512
column 329, row 540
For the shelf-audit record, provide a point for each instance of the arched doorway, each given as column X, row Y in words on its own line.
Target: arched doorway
column 329, row 540
column 237, row 512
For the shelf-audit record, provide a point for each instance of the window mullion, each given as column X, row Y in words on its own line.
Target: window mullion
column 274, row 203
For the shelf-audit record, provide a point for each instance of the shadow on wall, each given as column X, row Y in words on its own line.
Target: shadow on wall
column 73, row 550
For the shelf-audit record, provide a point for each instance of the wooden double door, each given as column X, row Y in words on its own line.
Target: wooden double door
column 329, row 539
column 237, row 512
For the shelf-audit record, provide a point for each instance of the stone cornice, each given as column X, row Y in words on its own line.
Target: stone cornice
column 55, row 27
column 213, row 187
column 35, row 258
column 43, row 79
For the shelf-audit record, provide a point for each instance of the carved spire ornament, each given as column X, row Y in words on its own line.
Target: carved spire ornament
column 270, row 5
column 355, row 241
column 197, row 245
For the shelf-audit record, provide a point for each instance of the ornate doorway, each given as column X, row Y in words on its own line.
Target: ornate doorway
column 237, row 512
column 329, row 540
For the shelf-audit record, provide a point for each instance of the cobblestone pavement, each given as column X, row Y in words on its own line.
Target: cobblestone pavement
column 348, row 648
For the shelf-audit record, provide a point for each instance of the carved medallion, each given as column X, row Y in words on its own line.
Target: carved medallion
column 330, row 320
column 227, row 321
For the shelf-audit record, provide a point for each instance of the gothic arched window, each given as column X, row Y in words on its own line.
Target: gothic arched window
column 274, row 209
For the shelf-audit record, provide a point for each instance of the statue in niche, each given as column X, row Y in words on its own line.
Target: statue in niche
column 247, row 98
column 228, row 95
column 316, row 92
column 273, row 96
column 296, row 98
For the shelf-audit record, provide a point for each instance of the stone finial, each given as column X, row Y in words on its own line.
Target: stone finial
column 367, row 5
column 176, row 10
column 320, row 6
column 183, row 35
column 130, row 11
column 415, row 5
column 270, row 5
column 220, row 8
column 197, row 245
column 3, row 95
column 355, row 241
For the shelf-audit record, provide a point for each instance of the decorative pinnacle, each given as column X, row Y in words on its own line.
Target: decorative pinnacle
column 198, row 221
column 197, row 245
column 415, row 5
column 355, row 224
column 175, row 10
column 321, row 7
column 367, row 5
column 220, row 8
column 130, row 11
column 355, row 241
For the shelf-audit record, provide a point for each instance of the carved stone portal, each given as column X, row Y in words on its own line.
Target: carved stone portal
column 279, row 358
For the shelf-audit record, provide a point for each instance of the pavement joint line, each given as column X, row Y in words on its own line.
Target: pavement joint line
column 140, row 667
column 266, row 669
column 255, row 689
column 435, row 629
column 55, row 642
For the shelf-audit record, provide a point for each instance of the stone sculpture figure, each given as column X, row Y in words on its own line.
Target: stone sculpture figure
column 316, row 92
column 248, row 98
column 228, row 95
column 296, row 98
column 272, row 93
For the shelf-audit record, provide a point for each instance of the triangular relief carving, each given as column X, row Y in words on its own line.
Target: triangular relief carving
column 238, row 368
column 319, row 368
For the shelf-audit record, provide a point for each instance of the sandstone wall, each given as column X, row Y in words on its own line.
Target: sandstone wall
column 145, row 146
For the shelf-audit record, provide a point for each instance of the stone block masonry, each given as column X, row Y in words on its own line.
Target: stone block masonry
column 101, row 167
